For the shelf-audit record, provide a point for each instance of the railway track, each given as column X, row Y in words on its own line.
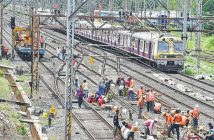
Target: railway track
column 208, row 107
column 86, row 122
column 175, row 94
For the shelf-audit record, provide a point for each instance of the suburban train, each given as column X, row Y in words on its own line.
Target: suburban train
column 162, row 51
column 161, row 22
column 23, row 42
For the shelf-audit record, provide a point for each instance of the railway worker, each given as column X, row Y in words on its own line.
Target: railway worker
column 140, row 104
column 85, row 88
column 2, row 51
column 123, row 128
column 107, row 86
column 152, row 100
column 168, row 118
column 101, row 87
column 42, row 41
column 91, row 98
column 177, row 119
column 121, row 83
column 131, row 133
column 195, row 116
column 5, row 51
column 116, row 123
column 126, row 132
column 140, row 91
column 210, row 135
column 80, row 96
column 185, row 120
column 131, row 89
column 63, row 53
column 157, row 108
column 101, row 101
column 147, row 99
column 76, row 82
column 149, row 126
column 58, row 52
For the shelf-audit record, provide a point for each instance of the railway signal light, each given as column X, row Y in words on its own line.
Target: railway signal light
column 12, row 22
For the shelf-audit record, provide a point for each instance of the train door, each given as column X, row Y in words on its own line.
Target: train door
column 129, row 43
column 150, row 50
column 138, row 46
column 144, row 48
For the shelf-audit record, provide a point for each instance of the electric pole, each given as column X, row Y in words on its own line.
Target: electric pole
column 1, row 40
column 198, row 41
column 184, row 35
column 69, row 68
column 13, row 43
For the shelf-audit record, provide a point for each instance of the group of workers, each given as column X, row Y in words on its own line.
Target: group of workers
column 127, row 131
column 174, row 120
column 126, row 88
column 100, row 97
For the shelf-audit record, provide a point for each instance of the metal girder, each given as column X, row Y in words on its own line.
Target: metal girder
column 71, row 13
column 147, row 30
column 69, row 69
column 141, row 18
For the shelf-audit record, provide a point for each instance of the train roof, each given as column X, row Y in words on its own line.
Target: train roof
column 140, row 35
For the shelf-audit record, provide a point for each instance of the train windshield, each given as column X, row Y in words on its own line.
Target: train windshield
column 163, row 47
column 178, row 46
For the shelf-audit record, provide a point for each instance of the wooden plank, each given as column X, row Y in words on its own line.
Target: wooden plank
column 28, row 121
column 22, row 113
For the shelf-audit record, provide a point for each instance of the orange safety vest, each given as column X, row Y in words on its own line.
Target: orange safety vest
column 140, row 102
column 184, row 120
column 195, row 113
column 157, row 106
column 140, row 93
column 131, row 84
column 177, row 118
column 169, row 118
column 151, row 96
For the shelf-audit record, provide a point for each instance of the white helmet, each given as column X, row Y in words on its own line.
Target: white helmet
column 196, row 106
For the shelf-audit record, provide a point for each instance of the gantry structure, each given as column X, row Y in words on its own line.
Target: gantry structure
column 67, row 12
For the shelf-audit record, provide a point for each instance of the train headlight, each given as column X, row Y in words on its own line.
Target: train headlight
column 180, row 63
column 163, row 62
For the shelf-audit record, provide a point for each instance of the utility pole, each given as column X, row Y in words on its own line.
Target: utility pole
column 35, row 47
column 184, row 35
column 144, row 7
column 1, row 39
column 198, row 41
column 13, row 43
column 69, row 69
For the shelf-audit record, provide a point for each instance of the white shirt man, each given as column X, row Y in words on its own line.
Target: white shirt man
column 58, row 52
column 126, row 133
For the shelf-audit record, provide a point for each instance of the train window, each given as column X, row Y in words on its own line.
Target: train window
column 136, row 43
column 163, row 46
column 178, row 46
column 121, row 39
column 147, row 47
column 142, row 44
